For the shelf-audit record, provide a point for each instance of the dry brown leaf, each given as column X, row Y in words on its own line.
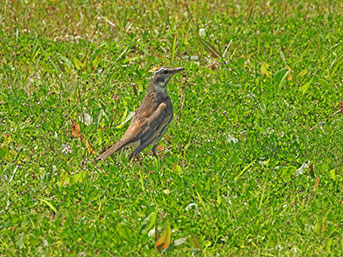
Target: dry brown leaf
column 75, row 130
column 316, row 184
column 87, row 144
column 169, row 139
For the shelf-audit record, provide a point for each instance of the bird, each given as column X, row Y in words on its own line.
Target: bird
column 152, row 118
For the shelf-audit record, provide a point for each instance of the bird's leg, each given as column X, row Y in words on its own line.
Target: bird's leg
column 154, row 148
column 137, row 158
column 136, row 152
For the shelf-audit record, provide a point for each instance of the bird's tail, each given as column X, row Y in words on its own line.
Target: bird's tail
column 120, row 144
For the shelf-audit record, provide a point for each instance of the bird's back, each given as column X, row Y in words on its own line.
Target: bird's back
column 149, row 105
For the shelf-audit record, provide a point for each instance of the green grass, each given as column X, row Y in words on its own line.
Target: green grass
column 229, row 177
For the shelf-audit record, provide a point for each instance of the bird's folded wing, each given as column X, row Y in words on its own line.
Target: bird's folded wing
column 155, row 123
column 158, row 114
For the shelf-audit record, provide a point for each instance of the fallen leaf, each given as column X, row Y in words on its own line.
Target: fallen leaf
column 164, row 241
column 87, row 144
column 214, row 66
column 75, row 130
column 180, row 241
column 290, row 76
column 168, row 138
column 316, row 184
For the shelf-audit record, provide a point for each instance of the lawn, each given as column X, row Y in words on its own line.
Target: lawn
column 250, row 166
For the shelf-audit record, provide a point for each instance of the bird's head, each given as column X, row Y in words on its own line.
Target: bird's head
column 161, row 76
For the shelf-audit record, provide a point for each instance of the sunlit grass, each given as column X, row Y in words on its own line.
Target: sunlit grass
column 250, row 166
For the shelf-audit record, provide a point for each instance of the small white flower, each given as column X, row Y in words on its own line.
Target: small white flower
column 230, row 138
column 202, row 32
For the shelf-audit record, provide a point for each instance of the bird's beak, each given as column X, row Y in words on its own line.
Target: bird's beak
column 176, row 70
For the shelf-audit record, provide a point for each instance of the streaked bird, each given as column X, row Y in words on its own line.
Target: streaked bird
column 152, row 118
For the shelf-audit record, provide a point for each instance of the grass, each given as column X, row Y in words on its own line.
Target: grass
column 241, row 173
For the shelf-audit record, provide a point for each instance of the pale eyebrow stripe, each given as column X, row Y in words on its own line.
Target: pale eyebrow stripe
column 156, row 71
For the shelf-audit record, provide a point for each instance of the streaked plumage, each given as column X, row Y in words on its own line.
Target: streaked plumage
column 152, row 118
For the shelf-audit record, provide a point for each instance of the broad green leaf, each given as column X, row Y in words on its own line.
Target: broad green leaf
column 77, row 63
column 34, row 57
column 148, row 223
column 96, row 61
column 78, row 177
column 219, row 199
column 328, row 246
column 333, row 174
column 283, row 57
column 64, row 179
column 305, row 87
column 322, row 82
column 317, row 226
column 178, row 169
column 3, row 151
column 173, row 50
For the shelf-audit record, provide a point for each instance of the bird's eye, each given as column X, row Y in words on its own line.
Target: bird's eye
column 165, row 72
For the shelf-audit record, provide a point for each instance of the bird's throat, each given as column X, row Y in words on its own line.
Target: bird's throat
column 160, row 87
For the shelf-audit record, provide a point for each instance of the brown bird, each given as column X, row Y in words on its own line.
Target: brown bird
column 152, row 118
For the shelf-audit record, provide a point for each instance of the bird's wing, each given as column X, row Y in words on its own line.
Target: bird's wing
column 156, row 123
column 155, row 126
column 143, row 130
